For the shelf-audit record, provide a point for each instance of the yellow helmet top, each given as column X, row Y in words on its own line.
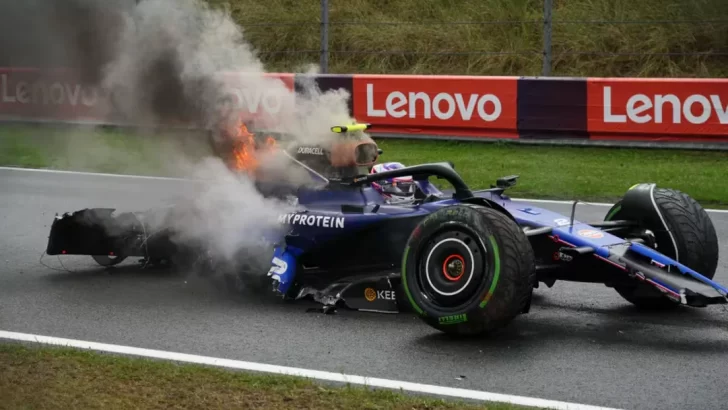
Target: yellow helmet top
column 339, row 129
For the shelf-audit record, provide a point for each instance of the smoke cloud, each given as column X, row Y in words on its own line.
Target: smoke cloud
column 171, row 60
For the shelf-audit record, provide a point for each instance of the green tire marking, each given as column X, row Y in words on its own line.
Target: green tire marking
column 404, row 282
column 496, row 275
column 453, row 319
column 614, row 212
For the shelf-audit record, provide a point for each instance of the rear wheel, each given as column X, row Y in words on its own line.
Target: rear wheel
column 107, row 260
column 468, row 269
column 688, row 237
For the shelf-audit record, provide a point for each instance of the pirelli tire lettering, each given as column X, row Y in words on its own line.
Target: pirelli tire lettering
column 336, row 222
column 453, row 319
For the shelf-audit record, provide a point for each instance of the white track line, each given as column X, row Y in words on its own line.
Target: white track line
column 55, row 171
column 311, row 374
column 98, row 174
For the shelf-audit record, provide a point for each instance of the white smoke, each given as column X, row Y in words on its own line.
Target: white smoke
column 229, row 215
column 163, row 61
column 174, row 51
column 201, row 49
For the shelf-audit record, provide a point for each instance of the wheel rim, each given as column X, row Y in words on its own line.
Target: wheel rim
column 454, row 267
column 448, row 266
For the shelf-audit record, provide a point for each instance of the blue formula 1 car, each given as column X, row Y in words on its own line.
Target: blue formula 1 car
column 384, row 238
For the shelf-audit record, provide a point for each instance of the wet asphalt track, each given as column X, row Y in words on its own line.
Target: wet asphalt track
column 580, row 343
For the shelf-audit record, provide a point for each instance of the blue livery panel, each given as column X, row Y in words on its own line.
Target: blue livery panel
column 333, row 222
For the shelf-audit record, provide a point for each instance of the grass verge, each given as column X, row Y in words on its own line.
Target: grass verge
column 43, row 377
column 592, row 174
column 586, row 173
column 93, row 149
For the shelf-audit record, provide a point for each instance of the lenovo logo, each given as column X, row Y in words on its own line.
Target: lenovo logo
column 257, row 94
column 659, row 108
column 43, row 92
column 256, row 100
column 442, row 105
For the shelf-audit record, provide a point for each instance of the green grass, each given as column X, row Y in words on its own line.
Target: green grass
column 429, row 36
column 53, row 377
column 586, row 173
column 97, row 150
column 595, row 174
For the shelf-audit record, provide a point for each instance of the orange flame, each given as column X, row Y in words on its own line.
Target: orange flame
column 246, row 151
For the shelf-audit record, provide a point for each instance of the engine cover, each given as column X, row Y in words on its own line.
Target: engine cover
column 340, row 159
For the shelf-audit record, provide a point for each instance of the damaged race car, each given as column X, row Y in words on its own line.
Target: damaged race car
column 383, row 237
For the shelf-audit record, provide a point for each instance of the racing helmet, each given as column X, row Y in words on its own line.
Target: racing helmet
column 398, row 189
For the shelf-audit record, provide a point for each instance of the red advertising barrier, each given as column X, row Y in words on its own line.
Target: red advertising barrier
column 623, row 111
column 32, row 94
column 444, row 105
column 266, row 100
column 50, row 95
column 657, row 109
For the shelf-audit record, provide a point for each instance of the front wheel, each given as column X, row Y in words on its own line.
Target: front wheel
column 468, row 269
column 683, row 231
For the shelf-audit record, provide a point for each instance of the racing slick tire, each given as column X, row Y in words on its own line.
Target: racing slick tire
column 688, row 236
column 468, row 270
